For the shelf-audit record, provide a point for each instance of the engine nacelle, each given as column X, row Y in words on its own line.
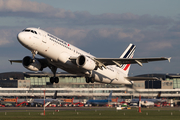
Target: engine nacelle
column 85, row 62
column 31, row 64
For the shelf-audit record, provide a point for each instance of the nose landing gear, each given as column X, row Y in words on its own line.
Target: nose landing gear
column 34, row 52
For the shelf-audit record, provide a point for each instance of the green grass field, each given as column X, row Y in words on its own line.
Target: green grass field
column 89, row 114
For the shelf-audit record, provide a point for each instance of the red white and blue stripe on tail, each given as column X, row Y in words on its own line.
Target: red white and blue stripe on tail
column 128, row 53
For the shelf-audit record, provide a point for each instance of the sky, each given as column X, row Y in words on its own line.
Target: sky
column 103, row 28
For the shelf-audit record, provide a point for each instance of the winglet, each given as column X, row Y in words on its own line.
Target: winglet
column 169, row 59
column 10, row 62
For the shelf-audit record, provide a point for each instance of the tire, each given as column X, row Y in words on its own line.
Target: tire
column 56, row 79
column 52, row 80
column 92, row 80
column 87, row 80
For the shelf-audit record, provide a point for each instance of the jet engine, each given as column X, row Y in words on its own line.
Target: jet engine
column 31, row 64
column 85, row 62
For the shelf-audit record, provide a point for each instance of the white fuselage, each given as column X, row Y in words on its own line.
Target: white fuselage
column 58, row 52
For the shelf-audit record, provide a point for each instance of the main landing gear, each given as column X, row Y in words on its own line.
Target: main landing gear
column 53, row 68
column 90, row 79
column 54, row 78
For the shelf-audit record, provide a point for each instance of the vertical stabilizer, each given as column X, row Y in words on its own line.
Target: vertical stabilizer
column 159, row 95
column 110, row 96
column 55, row 95
column 128, row 53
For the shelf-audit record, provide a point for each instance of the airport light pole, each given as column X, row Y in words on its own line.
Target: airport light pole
column 139, row 103
column 44, row 102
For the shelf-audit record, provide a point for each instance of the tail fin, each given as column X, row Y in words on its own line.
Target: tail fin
column 128, row 53
column 159, row 95
column 55, row 95
column 110, row 96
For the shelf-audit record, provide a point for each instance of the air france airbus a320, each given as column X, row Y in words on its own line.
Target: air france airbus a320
column 58, row 53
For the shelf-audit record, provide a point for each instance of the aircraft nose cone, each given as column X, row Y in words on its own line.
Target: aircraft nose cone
column 20, row 37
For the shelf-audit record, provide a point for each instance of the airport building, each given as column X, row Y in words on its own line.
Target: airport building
column 33, row 84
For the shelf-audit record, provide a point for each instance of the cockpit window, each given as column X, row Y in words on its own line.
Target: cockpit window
column 27, row 30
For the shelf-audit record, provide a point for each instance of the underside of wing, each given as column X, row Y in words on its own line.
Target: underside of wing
column 30, row 63
column 15, row 61
column 141, row 78
column 42, row 60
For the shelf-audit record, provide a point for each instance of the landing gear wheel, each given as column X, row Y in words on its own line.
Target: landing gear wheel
column 87, row 80
column 54, row 79
column 92, row 80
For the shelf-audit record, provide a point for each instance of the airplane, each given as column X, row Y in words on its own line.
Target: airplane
column 147, row 104
column 100, row 102
column 58, row 53
column 150, row 101
column 47, row 101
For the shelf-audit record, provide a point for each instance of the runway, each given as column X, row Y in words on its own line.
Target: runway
column 25, row 109
column 3, row 109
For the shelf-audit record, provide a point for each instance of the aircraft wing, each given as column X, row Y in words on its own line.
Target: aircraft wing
column 141, row 78
column 44, row 62
column 120, row 61
column 16, row 61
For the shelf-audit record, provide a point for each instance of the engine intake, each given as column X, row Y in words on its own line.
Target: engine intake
column 85, row 62
column 31, row 64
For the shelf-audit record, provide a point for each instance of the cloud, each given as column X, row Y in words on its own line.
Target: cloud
column 101, row 35
column 121, row 34
column 26, row 8
column 75, row 35
column 6, row 37
column 29, row 9
column 158, row 45
column 152, row 40
column 23, row 6
column 69, row 34
column 81, row 27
